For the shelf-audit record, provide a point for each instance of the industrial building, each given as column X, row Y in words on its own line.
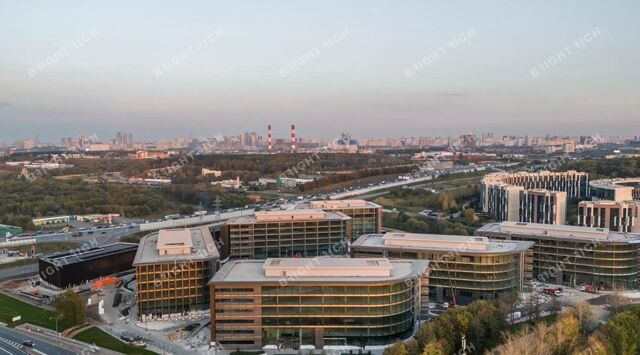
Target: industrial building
column 319, row 301
column 173, row 267
column 366, row 217
column 77, row 266
column 617, row 216
column 289, row 233
column 42, row 221
column 462, row 269
column 539, row 197
column 570, row 255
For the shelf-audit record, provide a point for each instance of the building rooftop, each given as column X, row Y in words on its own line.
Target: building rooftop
column 319, row 269
column 289, row 215
column 197, row 241
column 328, row 267
column 438, row 242
column 174, row 241
column 330, row 204
column 80, row 255
column 617, row 183
column 557, row 231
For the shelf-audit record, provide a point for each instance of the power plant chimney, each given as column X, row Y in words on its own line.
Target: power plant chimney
column 269, row 142
column 293, row 138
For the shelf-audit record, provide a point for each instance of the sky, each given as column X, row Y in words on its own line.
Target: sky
column 163, row 69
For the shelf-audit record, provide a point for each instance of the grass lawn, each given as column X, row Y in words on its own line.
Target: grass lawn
column 11, row 307
column 97, row 336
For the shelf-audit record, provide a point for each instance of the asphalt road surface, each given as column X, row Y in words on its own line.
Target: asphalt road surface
column 42, row 346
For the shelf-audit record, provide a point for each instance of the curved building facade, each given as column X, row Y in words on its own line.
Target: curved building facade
column 570, row 255
column 461, row 269
column 316, row 301
column 539, row 197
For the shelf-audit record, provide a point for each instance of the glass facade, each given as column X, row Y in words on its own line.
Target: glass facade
column 168, row 290
column 322, row 314
column 465, row 276
column 281, row 239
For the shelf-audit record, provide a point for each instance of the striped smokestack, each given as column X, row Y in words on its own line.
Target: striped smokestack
column 269, row 142
column 293, row 138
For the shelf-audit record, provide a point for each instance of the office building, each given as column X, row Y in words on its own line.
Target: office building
column 173, row 267
column 319, row 301
column 570, row 255
column 78, row 266
column 462, row 269
column 539, row 197
column 617, row 216
column 289, row 233
column 621, row 189
column 366, row 217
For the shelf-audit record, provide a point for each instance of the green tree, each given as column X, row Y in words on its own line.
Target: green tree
column 70, row 308
column 432, row 349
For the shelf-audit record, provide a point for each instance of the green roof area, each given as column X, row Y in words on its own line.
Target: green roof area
column 4, row 229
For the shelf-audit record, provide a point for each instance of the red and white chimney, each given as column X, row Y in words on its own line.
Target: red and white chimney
column 293, row 138
column 269, row 142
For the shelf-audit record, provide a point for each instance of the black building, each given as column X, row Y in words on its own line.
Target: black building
column 77, row 266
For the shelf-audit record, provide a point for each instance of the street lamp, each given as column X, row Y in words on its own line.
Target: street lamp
column 56, row 319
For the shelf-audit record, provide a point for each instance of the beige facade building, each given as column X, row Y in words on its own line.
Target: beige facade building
column 617, row 216
column 461, row 269
column 539, row 197
column 295, row 302
column 289, row 233
column 173, row 267
column 366, row 217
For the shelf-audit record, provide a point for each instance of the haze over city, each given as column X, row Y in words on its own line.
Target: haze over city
column 321, row 177
column 73, row 68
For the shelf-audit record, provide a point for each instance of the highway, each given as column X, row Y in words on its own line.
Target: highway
column 10, row 336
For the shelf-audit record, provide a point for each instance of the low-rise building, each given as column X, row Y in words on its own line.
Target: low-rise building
column 570, row 255
column 78, row 266
column 289, row 233
column 173, row 267
column 295, row 302
column 462, row 269
column 42, row 221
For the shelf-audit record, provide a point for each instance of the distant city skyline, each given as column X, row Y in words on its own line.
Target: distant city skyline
column 372, row 68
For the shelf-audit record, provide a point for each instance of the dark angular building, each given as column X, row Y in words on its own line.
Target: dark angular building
column 77, row 266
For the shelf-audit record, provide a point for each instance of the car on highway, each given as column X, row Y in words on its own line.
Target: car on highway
column 28, row 344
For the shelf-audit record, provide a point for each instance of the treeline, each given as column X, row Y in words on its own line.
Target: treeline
column 606, row 168
column 620, row 335
column 358, row 174
column 419, row 198
column 21, row 200
column 419, row 224
column 482, row 324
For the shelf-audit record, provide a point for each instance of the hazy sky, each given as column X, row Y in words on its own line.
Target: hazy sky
column 372, row 68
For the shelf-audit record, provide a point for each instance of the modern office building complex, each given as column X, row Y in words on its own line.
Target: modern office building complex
column 173, row 267
column 316, row 301
column 366, row 217
column 623, row 189
column 539, row 197
column 569, row 255
column 290, row 233
column 617, row 216
column 75, row 267
column 461, row 269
